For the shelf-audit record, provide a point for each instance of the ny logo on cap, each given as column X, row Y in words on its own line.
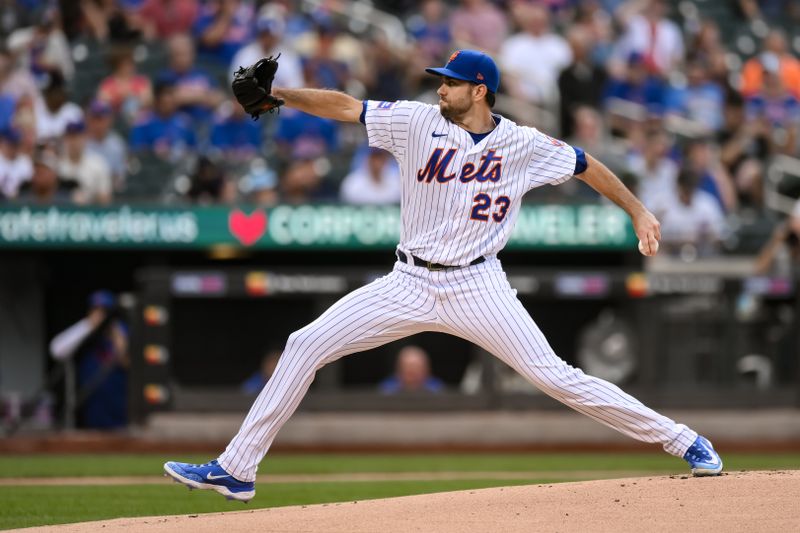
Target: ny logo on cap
column 454, row 55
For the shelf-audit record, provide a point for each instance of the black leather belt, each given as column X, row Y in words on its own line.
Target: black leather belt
column 434, row 266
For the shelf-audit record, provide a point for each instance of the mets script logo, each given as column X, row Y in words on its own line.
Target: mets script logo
column 489, row 168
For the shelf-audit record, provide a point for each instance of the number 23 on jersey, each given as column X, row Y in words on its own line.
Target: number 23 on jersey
column 483, row 203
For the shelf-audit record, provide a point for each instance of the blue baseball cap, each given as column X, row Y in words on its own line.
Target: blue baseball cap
column 473, row 66
column 102, row 298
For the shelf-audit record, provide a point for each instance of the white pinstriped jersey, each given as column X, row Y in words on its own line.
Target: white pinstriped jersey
column 460, row 200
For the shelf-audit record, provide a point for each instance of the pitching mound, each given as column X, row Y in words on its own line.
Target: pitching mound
column 741, row 501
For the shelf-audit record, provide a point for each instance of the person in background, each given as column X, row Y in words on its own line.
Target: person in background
column 45, row 187
column 99, row 342
column 635, row 96
column 534, row 80
column 15, row 82
column 581, row 82
column 322, row 65
column 270, row 29
column 105, row 142
column 127, row 91
column 702, row 158
column 86, row 168
column 780, row 256
column 256, row 382
column 775, row 110
column 481, row 24
column 412, row 374
column 376, row 181
column 164, row 132
column 657, row 173
column 430, row 31
column 222, row 28
column 775, row 58
column 303, row 180
column 210, row 183
column 690, row 216
column 260, row 184
column 54, row 111
column 234, row 134
column 117, row 21
column 701, row 100
column 652, row 35
column 43, row 47
column 166, row 18
column 196, row 92
column 307, row 134
column 15, row 166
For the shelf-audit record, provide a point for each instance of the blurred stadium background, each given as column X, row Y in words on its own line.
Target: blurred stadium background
column 157, row 246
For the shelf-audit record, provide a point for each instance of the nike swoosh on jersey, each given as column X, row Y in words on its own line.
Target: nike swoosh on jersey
column 434, row 134
column 212, row 477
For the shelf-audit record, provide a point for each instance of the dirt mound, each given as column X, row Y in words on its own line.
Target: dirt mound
column 740, row 501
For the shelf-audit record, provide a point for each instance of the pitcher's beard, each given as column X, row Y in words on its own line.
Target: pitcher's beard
column 452, row 114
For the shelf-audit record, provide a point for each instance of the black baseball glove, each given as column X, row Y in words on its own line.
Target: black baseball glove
column 252, row 87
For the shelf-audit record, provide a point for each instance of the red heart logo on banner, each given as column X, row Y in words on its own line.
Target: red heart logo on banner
column 247, row 228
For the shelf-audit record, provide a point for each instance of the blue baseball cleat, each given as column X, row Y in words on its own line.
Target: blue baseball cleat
column 211, row 476
column 702, row 458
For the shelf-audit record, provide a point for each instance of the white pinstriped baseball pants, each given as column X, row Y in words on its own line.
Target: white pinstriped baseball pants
column 475, row 303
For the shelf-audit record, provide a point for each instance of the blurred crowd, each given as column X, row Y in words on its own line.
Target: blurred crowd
column 128, row 100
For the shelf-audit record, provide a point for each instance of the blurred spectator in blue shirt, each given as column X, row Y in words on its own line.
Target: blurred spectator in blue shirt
column 301, row 132
column 8, row 106
column 164, row 131
column 235, row 134
column 105, row 142
column 703, row 160
column 412, row 374
column 196, row 92
column 322, row 68
column 637, row 87
column 223, row 27
column 256, row 382
column 431, row 32
column 700, row 100
column 99, row 342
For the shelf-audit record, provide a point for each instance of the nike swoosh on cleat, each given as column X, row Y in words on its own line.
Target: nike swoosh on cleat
column 212, row 477
column 434, row 134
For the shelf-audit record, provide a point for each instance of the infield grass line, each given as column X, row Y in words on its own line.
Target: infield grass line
column 21, row 466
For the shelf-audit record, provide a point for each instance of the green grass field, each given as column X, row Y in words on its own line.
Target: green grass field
column 30, row 505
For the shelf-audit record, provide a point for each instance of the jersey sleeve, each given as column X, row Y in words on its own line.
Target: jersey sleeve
column 552, row 161
column 388, row 124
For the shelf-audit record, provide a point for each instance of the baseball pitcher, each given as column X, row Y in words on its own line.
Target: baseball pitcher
column 464, row 172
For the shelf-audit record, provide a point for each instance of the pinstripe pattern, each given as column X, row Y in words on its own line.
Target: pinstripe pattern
column 475, row 303
column 435, row 217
